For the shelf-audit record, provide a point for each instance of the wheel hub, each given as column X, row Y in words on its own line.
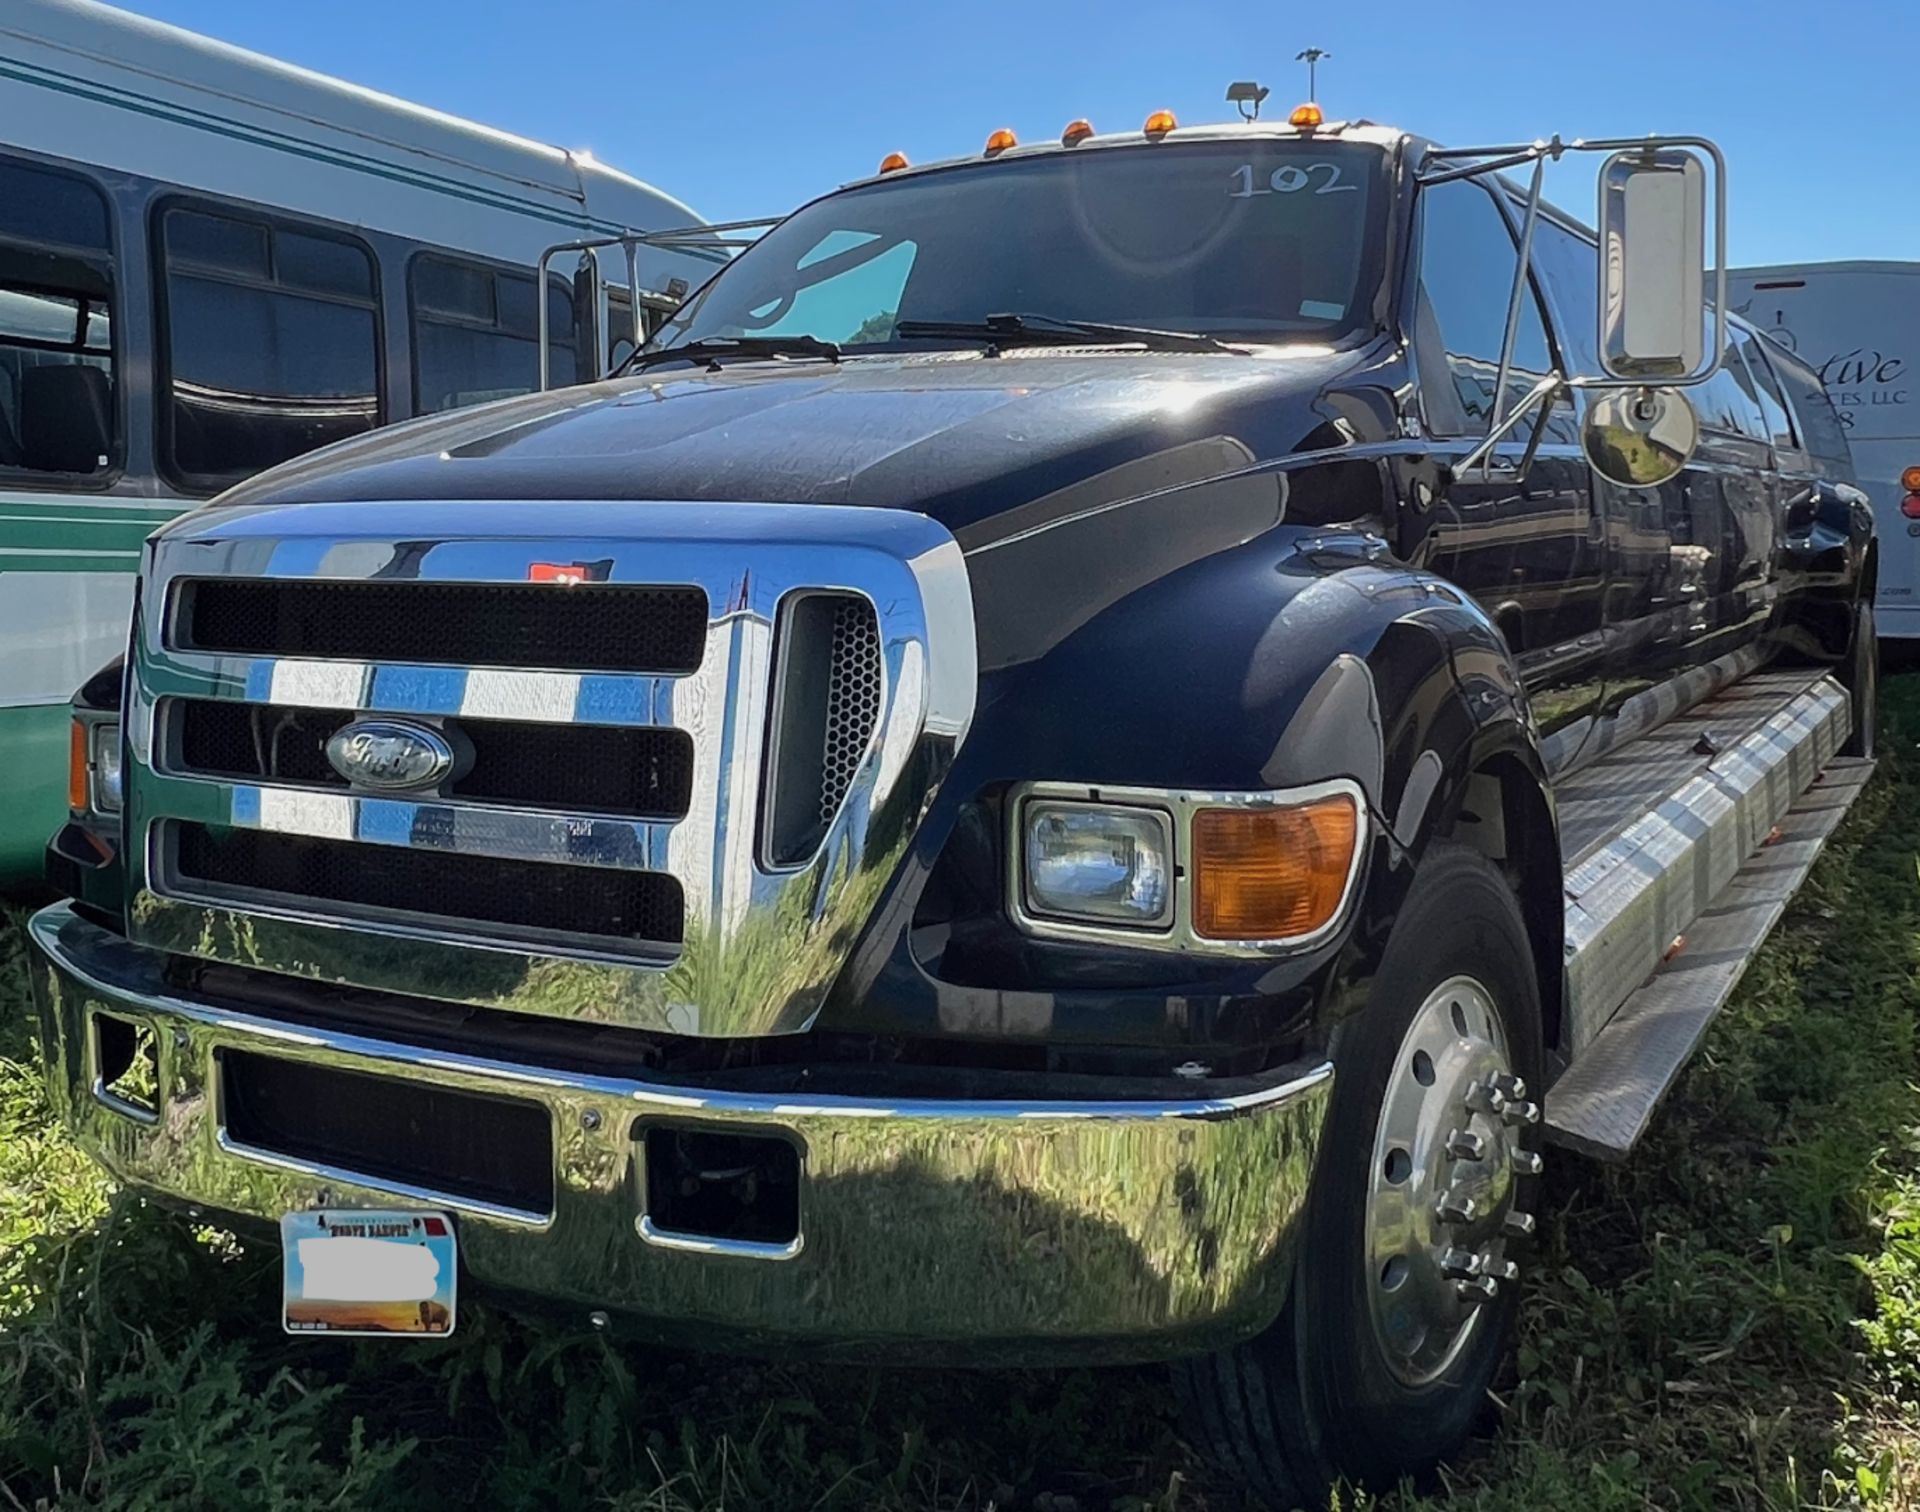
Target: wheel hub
column 1447, row 1155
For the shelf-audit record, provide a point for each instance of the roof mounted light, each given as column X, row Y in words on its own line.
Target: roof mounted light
column 893, row 162
column 1077, row 131
column 1160, row 123
column 1306, row 116
column 1000, row 141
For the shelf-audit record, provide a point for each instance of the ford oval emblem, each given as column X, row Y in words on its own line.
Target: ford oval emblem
column 395, row 755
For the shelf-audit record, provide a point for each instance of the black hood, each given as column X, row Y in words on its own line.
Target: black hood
column 973, row 441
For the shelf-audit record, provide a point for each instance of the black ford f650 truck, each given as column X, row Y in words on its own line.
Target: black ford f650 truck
column 1083, row 760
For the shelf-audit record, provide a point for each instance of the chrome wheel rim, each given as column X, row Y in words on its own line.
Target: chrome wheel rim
column 1446, row 1159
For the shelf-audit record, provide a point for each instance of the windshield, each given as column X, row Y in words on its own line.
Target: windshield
column 1258, row 239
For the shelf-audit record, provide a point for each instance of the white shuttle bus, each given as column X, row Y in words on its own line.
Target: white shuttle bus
column 211, row 261
column 1857, row 324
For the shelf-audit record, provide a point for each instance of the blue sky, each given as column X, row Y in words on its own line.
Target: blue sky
column 749, row 106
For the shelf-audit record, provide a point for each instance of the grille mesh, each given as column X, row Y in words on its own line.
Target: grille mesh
column 596, row 769
column 632, row 907
column 853, row 700
column 491, row 1149
column 578, row 627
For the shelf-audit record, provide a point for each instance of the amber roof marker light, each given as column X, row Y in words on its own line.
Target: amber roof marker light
column 1306, row 116
column 1160, row 123
column 1077, row 131
column 893, row 162
column 1000, row 141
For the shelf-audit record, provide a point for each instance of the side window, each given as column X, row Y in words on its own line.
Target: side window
column 476, row 334
column 58, row 418
column 1726, row 400
column 1467, row 255
column 1773, row 403
column 1813, row 414
column 1568, row 267
column 270, row 340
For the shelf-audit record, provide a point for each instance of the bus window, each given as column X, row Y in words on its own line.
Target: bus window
column 475, row 334
column 57, row 411
column 269, row 340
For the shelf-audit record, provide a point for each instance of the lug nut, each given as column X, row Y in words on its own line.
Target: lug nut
column 1502, row 1270
column 1510, row 1087
column 1464, row 1144
column 1527, row 1163
column 1459, row 1264
column 1518, row 1225
column 1479, row 1289
column 1484, row 1098
column 1521, row 1112
column 1452, row 1209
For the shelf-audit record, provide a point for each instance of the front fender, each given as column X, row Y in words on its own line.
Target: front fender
column 1289, row 659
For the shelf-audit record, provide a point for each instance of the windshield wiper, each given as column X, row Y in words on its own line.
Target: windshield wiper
column 713, row 348
column 1030, row 328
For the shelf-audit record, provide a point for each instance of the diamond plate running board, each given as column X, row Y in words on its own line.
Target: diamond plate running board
column 1603, row 1103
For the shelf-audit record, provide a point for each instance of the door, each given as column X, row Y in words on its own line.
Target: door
column 1528, row 549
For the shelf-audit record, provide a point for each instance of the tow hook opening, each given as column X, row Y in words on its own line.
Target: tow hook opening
column 723, row 1192
column 126, row 1066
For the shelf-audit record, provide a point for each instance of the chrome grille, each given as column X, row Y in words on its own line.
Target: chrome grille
column 618, row 909
column 601, row 769
column 572, row 626
column 601, row 855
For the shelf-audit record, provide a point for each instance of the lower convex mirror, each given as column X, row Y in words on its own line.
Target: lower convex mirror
column 1640, row 438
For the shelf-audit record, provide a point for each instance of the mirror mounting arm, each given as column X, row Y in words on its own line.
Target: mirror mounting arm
column 1546, row 393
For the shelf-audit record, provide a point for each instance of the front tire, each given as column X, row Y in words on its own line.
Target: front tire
column 1403, row 1298
column 1861, row 677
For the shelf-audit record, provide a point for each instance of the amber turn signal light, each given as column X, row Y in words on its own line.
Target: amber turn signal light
column 1160, row 123
column 1077, row 131
column 1001, row 140
column 1306, row 116
column 1272, row 873
column 1910, row 480
column 893, row 162
column 79, row 783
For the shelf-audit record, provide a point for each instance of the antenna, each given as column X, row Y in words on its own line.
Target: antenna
column 1311, row 56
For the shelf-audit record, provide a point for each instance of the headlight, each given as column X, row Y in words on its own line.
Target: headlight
column 1100, row 864
column 106, row 768
column 1255, row 873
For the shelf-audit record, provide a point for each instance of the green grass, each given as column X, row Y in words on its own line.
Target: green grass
column 1731, row 1320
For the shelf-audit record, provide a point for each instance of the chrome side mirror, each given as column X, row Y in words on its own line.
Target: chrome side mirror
column 1640, row 438
column 1653, row 301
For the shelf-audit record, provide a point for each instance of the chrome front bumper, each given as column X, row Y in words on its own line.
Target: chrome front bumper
column 998, row 1232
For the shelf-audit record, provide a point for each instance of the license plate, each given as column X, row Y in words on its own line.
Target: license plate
column 368, row 1271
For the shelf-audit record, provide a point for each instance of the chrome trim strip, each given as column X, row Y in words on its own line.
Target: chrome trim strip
column 749, row 1249
column 468, row 829
column 321, row 1172
column 761, row 946
column 615, row 698
column 1181, row 805
column 932, row 1229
